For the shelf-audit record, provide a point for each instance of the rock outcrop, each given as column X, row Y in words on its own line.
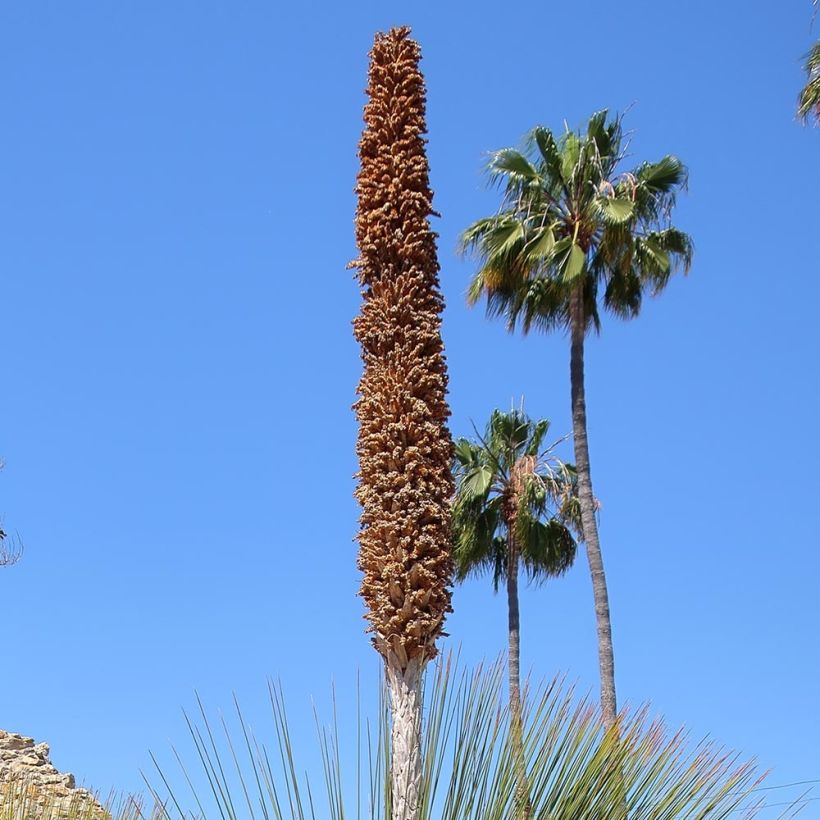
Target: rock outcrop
column 32, row 789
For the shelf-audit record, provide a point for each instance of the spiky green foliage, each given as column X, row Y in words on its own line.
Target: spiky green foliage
column 576, row 767
column 231, row 774
column 490, row 480
column 571, row 215
column 809, row 103
column 20, row 800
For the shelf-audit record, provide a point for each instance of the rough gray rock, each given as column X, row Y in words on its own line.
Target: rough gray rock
column 31, row 788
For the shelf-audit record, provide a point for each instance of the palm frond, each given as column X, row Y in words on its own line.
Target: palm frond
column 512, row 171
column 663, row 177
column 545, row 305
column 542, row 141
column 508, row 436
column 467, row 453
column 570, row 146
column 658, row 254
column 548, row 548
column 623, row 295
column 539, row 247
column 535, row 438
column 476, row 521
column 677, row 244
column 598, row 132
column 615, row 210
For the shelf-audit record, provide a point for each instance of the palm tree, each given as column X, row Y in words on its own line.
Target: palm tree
column 573, row 231
column 513, row 504
column 404, row 447
column 810, row 95
column 809, row 100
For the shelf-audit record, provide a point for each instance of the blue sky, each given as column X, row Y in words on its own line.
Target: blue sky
column 178, row 365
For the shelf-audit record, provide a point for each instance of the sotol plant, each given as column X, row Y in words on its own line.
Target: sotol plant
column 404, row 447
column 577, row 770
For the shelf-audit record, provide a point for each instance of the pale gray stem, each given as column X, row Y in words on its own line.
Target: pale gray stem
column 404, row 686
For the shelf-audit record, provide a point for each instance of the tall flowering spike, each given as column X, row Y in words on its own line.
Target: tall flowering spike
column 404, row 446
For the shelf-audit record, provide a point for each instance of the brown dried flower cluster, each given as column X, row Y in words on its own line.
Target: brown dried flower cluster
column 404, row 446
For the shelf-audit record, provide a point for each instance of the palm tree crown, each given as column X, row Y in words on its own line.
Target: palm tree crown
column 570, row 216
column 506, row 479
column 809, row 104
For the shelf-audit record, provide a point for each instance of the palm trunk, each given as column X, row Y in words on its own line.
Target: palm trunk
column 522, row 792
column 405, row 708
column 606, row 659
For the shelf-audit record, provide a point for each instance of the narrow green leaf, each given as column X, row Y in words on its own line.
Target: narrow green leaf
column 571, row 150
